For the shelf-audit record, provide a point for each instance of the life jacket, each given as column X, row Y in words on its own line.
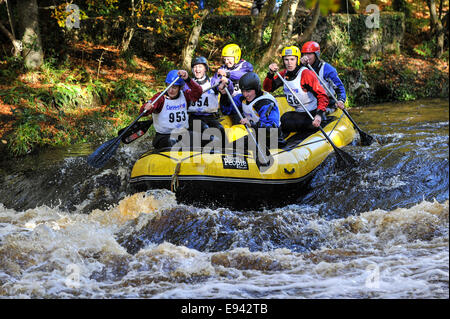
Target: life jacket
column 328, row 82
column 236, row 67
column 251, row 110
column 173, row 115
column 308, row 99
column 208, row 102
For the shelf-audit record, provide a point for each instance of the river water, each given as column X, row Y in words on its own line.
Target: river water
column 377, row 230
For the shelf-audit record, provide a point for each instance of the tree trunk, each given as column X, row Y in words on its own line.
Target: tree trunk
column 126, row 39
column 31, row 37
column 191, row 44
column 346, row 7
column 129, row 30
column 277, row 33
column 291, row 18
column 437, row 29
column 306, row 35
column 259, row 22
column 17, row 45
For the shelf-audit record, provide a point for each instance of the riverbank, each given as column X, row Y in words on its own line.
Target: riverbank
column 84, row 100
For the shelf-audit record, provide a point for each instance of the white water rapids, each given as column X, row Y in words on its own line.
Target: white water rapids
column 46, row 253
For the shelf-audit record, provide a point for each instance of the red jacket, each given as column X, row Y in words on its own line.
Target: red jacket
column 192, row 94
column 309, row 82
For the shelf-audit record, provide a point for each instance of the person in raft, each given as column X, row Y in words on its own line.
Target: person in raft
column 206, row 108
column 327, row 73
column 306, row 86
column 259, row 109
column 170, row 112
column 233, row 66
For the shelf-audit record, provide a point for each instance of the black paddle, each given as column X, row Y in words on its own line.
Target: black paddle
column 365, row 138
column 102, row 154
column 346, row 158
column 135, row 132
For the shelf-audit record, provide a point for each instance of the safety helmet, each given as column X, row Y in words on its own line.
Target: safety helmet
column 250, row 81
column 171, row 76
column 292, row 50
column 311, row 47
column 200, row 60
column 232, row 50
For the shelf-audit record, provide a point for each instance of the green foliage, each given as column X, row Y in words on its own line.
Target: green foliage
column 98, row 89
column 68, row 96
column 267, row 34
column 426, row 49
column 165, row 65
column 339, row 49
column 103, row 7
column 131, row 90
column 26, row 136
column 325, row 5
column 11, row 67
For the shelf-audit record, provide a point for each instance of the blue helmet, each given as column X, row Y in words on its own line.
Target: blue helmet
column 171, row 76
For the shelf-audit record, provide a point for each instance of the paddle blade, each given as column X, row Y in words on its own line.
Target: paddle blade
column 344, row 159
column 365, row 138
column 137, row 130
column 103, row 153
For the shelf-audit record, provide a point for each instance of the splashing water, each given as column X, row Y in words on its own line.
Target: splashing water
column 379, row 230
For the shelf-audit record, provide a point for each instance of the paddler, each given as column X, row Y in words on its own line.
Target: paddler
column 327, row 73
column 306, row 86
column 170, row 115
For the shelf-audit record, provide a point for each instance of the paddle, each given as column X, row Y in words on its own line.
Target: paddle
column 136, row 131
column 263, row 156
column 346, row 158
column 211, row 87
column 105, row 151
column 366, row 139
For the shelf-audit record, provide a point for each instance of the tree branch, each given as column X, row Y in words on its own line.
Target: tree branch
column 306, row 35
column 6, row 32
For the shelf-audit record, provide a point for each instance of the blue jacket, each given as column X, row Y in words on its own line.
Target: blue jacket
column 268, row 112
column 329, row 72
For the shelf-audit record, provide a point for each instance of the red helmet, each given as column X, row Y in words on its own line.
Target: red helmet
column 311, row 47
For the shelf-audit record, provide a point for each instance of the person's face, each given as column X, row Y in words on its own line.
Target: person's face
column 173, row 91
column 311, row 57
column 290, row 62
column 249, row 95
column 199, row 71
column 228, row 61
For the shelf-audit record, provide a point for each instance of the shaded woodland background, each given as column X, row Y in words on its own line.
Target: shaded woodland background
column 77, row 71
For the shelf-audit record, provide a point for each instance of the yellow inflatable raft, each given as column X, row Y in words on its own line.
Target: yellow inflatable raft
column 234, row 176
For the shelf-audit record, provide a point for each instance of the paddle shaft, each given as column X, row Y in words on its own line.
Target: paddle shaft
column 334, row 98
column 310, row 115
column 211, row 87
column 248, row 129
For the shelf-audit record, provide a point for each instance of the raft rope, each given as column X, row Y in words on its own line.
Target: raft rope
column 175, row 183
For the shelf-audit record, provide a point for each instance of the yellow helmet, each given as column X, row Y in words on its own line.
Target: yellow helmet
column 292, row 50
column 232, row 50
